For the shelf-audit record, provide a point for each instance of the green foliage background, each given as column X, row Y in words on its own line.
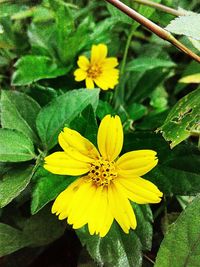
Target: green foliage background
column 40, row 42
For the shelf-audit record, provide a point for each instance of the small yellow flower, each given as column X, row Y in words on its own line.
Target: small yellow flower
column 99, row 70
column 102, row 194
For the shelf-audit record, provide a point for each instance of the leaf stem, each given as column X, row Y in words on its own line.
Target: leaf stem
column 161, row 7
column 160, row 32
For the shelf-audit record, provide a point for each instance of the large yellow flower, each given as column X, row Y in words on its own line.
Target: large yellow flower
column 99, row 70
column 102, row 194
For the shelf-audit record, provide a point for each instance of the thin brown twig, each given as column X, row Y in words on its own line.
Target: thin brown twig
column 162, row 7
column 153, row 27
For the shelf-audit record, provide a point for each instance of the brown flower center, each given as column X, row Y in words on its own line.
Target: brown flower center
column 102, row 172
column 94, row 71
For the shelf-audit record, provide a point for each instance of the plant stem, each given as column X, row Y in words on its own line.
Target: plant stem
column 161, row 7
column 160, row 32
column 128, row 42
column 149, row 259
column 119, row 93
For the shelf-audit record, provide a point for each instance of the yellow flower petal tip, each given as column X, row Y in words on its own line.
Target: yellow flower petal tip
column 99, row 71
column 108, row 182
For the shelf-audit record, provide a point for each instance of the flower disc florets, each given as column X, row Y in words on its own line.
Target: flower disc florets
column 102, row 172
column 94, row 71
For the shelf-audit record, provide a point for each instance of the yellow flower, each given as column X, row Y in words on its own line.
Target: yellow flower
column 102, row 194
column 99, row 70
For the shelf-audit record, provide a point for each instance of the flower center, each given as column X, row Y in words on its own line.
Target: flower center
column 102, row 172
column 94, row 71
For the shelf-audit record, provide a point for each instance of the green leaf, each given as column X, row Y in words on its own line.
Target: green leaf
column 15, row 146
column 33, row 68
column 147, row 81
column 136, row 111
column 183, row 119
column 180, row 246
column 159, row 99
column 61, row 112
column 18, row 112
column 43, row 228
column 118, row 248
column 47, row 187
column 64, row 26
column 13, row 183
column 115, row 249
column 39, row 230
column 144, row 229
column 178, row 170
column 186, row 25
column 103, row 109
column 41, row 37
column 10, row 239
column 118, row 15
column 86, row 124
column 146, row 63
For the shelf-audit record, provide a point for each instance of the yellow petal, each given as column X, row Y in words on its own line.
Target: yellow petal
column 78, row 216
column 61, row 163
column 98, row 53
column 121, row 208
column 105, row 218
column 105, row 227
column 83, row 62
column 137, row 162
column 110, row 63
column 94, row 210
column 101, row 83
column 62, row 202
column 77, row 146
column 80, row 203
column 110, row 137
column 139, row 190
column 89, row 83
column 107, row 80
column 80, row 75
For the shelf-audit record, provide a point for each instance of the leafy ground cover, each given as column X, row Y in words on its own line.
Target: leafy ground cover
column 151, row 85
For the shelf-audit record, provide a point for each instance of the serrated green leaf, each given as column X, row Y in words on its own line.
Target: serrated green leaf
column 47, row 187
column 10, row 239
column 13, row 183
column 180, row 246
column 115, row 249
column 33, row 68
column 146, row 63
column 15, row 146
column 18, row 112
column 187, row 25
column 62, row 111
column 177, row 172
column 183, row 119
